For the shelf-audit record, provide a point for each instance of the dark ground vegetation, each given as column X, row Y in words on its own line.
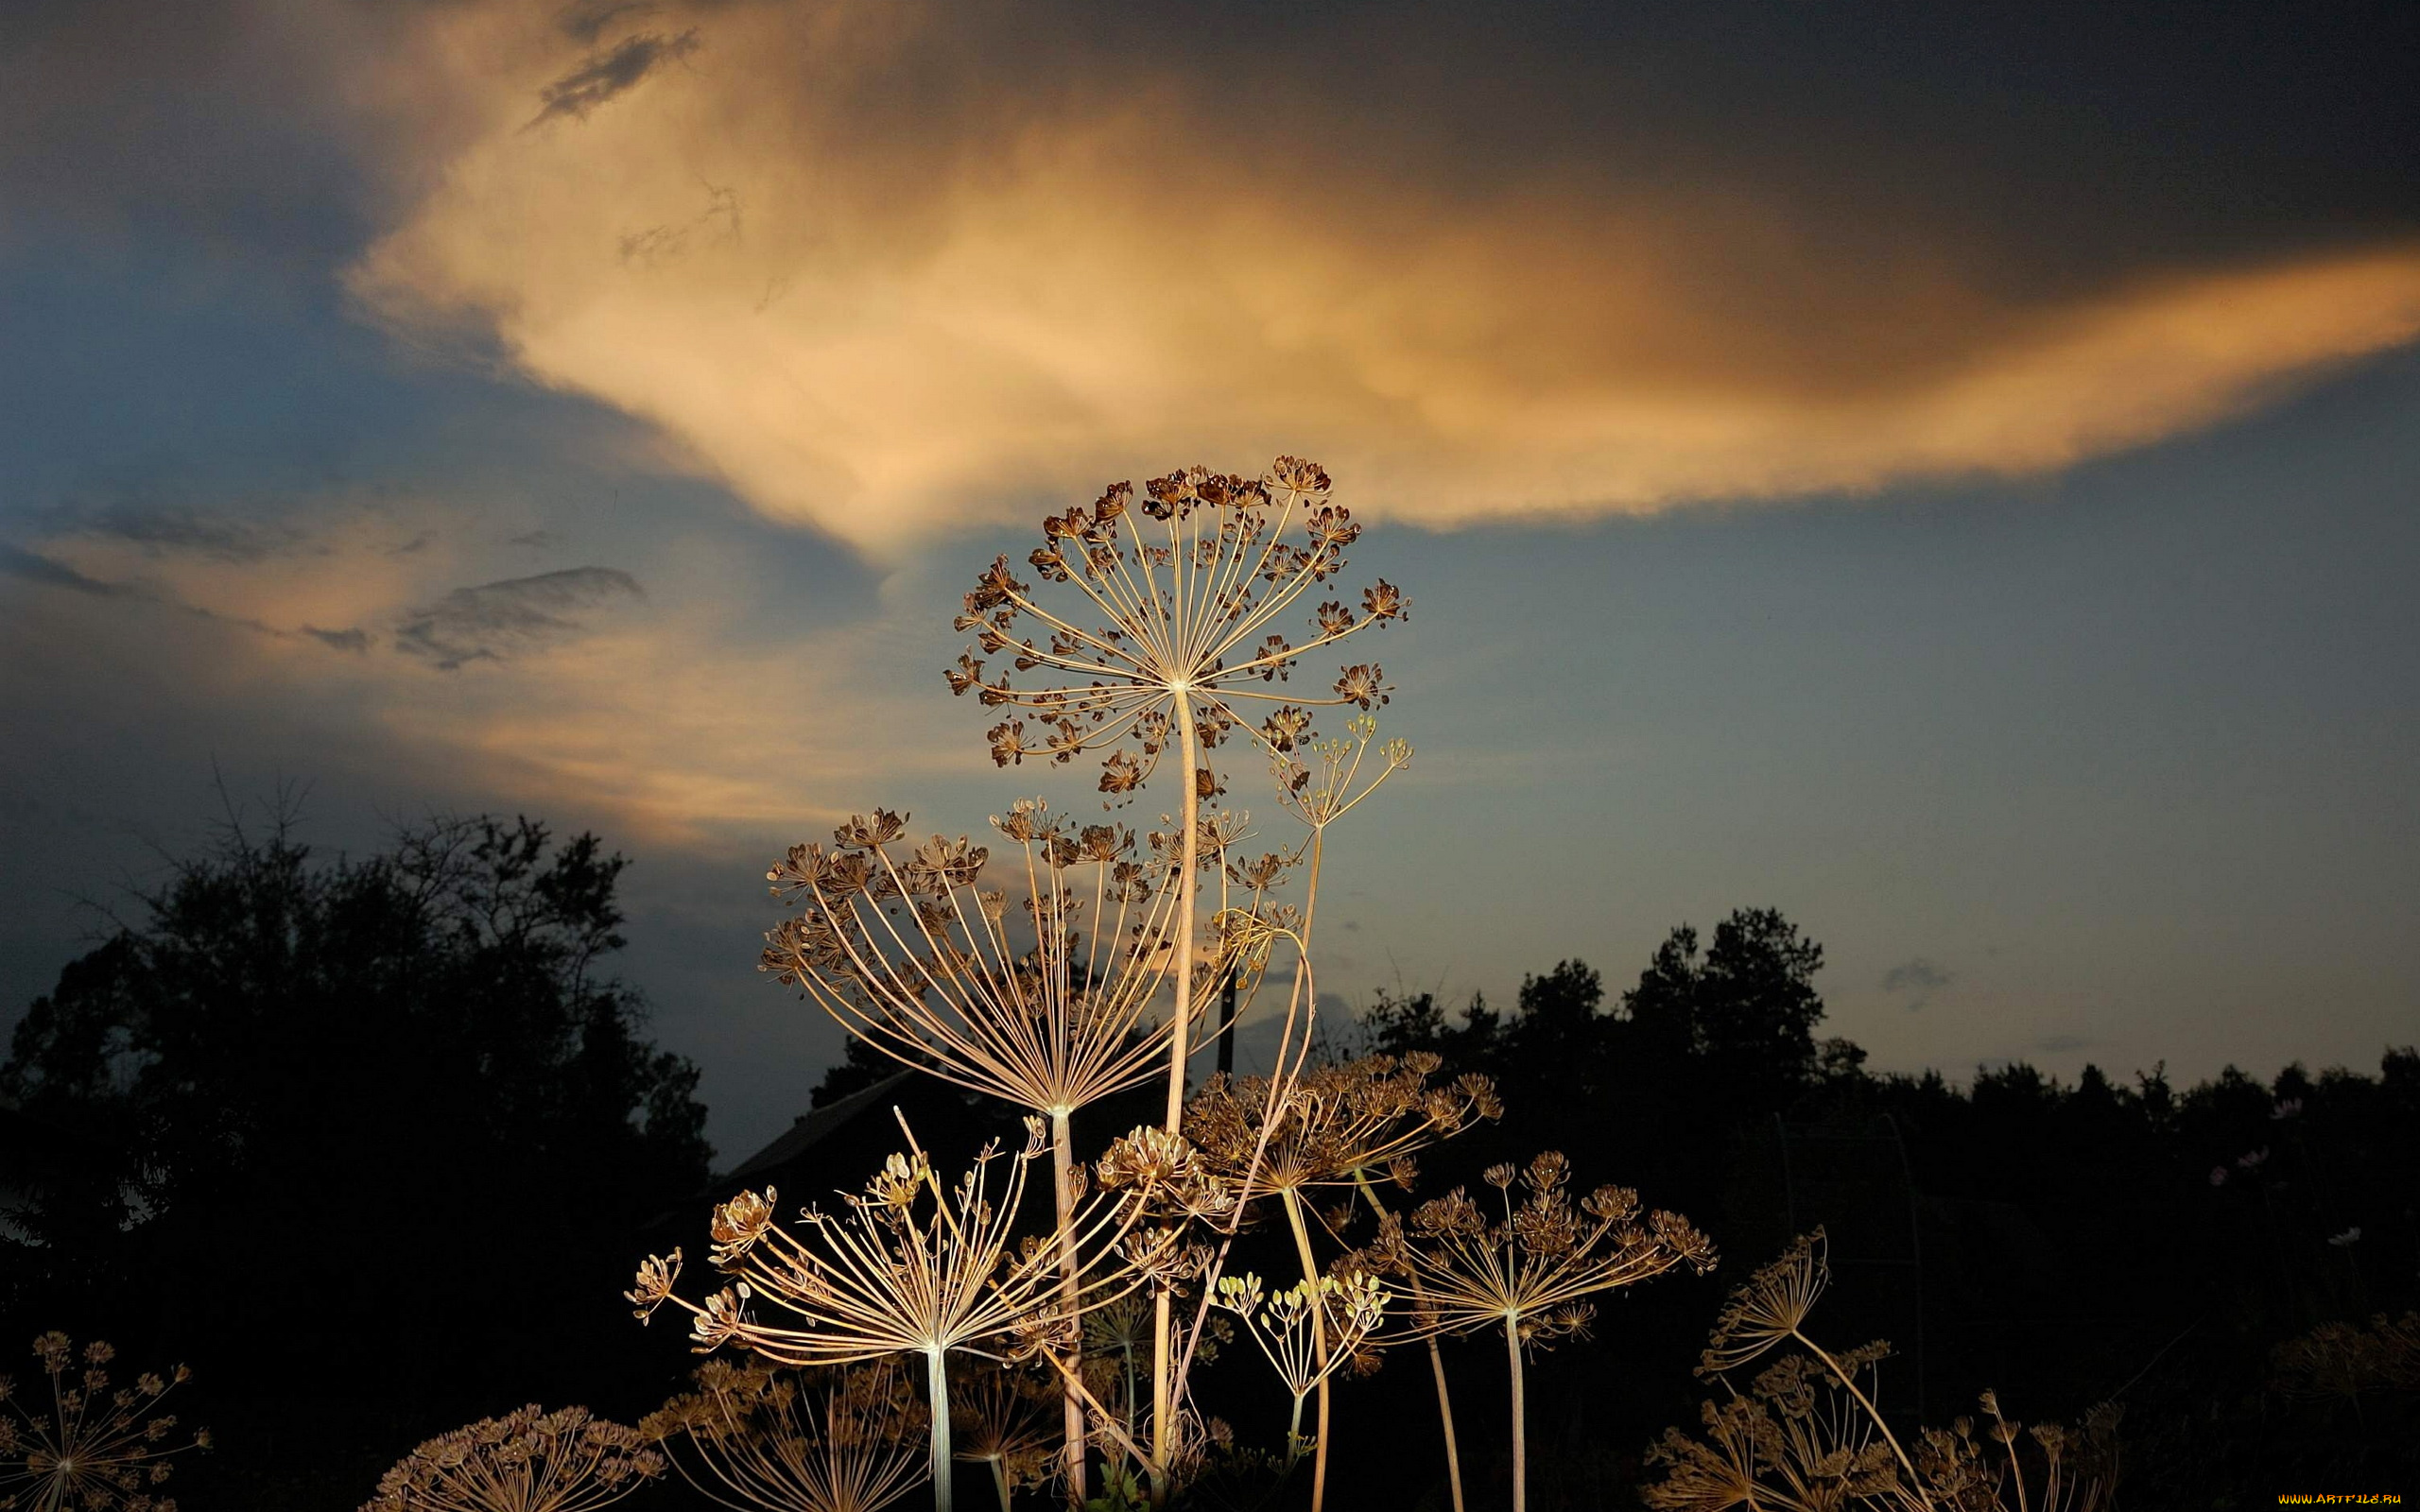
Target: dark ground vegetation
column 372, row 1143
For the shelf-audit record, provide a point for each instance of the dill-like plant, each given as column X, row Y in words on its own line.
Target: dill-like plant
column 1163, row 637
column 1307, row 1330
column 530, row 1460
column 1331, row 1126
column 95, row 1444
column 1530, row 1271
column 752, row 1437
column 908, row 1268
column 1808, row 1434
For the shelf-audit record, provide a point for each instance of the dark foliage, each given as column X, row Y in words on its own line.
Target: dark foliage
column 375, row 1129
column 2063, row 1243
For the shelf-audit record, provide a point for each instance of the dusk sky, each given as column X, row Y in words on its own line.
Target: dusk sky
column 1947, row 474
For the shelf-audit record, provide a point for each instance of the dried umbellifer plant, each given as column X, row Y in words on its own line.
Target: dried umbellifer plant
column 1808, row 1431
column 98, row 1443
column 845, row 1441
column 1332, row 1127
column 1307, row 1330
column 1162, row 636
column 1531, row 1271
column 1001, row 1421
column 526, row 1461
column 1048, row 1005
column 909, row 1269
column 2343, row 1362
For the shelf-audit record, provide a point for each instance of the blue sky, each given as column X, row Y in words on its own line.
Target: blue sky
column 597, row 413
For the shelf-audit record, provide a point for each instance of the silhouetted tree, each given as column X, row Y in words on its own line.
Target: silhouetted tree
column 319, row 1106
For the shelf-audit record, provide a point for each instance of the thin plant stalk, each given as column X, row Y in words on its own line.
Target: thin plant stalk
column 1520, row 1420
column 1163, row 1305
column 1849, row 1382
column 1071, row 1410
column 1293, row 1203
column 1436, row 1362
column 936, row 1391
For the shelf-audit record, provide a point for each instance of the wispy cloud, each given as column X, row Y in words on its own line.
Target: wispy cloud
column 611, row 73
column 177, row 528
column 33, row 567
column 1918, row 980
column 511, row 616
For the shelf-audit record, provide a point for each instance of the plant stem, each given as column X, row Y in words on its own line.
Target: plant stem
column 1164, row 1385
column 936, row 1391
column 1319, row 1339
column 1072, row 1411
column 1915, row 1482
column 1000, row 1480
column 1446, row 1415
column 1520, row 1430
column 1436, row 1362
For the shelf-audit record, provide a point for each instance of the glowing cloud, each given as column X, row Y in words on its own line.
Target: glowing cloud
column 881, row 320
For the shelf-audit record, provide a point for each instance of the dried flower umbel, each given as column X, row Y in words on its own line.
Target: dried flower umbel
column 97, row 1444
column 1809, row 1435
column 1307, row 1330
column 2343, row 1362
column 526, row 1461
column 1000, row 1420
column 909, row 1269
column 911, row 953
column 1164, row 636
column 846, row 1441
column 1530, row 1272
column 1332, row 1126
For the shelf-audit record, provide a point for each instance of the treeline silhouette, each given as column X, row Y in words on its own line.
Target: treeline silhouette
column 2068, row 1243
column 372, row 1141
column 362, row 1139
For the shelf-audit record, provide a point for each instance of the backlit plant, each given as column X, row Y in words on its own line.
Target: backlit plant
column 1530, row 1269
column 908, row 1268
column 1076, row 962
column 526, row 1461
column 98, row 1443
column 750, row 1437
column 1163, row 639
column 1809, row 1432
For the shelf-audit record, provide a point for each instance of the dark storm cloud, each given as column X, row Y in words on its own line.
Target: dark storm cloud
column 610, row 73
column 501, row 619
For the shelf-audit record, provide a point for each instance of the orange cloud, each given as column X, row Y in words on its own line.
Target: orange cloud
column 883, row 332
column 571, row 689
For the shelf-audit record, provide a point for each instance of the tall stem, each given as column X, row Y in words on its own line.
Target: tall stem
column 1520, row 1429
column 1227, row 1025
column 1446, row 1415
column 1164, row 1385
column 1000, row 1480
column 1319, row 1339
column 1190, row 852
column 1436, row 1360
column 1871, row 1411
column 1072, row 1411
column 936, row 1391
